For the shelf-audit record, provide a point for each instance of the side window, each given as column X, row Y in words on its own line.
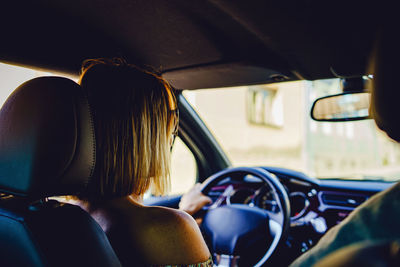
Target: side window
column 183, row 168
column 12, row 76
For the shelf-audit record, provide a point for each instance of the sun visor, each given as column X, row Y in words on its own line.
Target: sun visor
column 223, row 75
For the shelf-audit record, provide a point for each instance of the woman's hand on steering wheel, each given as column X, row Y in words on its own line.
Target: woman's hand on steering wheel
column 194, row 200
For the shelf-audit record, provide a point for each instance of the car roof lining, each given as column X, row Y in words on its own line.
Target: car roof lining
column 241, row 42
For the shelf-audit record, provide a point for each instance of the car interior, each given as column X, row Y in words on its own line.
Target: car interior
column 47, row 142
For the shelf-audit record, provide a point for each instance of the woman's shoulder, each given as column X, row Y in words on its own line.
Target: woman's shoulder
column 156, row 219
column 167, row 217
column 173, row 236
column 159, row 235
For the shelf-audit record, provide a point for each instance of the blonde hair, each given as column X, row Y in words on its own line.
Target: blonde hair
column 134, row 117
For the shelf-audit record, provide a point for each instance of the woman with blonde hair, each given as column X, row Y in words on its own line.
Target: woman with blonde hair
column 135, row 120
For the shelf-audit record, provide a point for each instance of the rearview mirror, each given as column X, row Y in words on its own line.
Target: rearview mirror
column 349, row 106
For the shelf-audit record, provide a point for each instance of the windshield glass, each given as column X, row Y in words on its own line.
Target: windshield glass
column 270, row 125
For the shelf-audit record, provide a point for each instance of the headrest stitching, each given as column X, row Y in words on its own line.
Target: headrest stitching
column 91, row 121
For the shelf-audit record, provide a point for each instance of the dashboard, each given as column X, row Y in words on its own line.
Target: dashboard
column 316, row 205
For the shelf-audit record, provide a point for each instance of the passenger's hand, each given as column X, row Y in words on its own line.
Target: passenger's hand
column 194, row 200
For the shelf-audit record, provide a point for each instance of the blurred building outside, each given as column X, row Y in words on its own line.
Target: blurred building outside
column 270, row 125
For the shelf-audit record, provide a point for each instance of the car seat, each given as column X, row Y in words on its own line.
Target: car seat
column 47, row 148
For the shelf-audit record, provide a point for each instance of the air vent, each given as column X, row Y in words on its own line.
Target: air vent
column 345, row 200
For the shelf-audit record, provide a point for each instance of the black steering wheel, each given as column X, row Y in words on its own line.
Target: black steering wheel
column 237, row 232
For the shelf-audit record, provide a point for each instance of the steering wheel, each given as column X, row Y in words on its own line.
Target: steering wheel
column 232, row 230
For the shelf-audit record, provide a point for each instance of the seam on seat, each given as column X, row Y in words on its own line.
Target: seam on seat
column 91, row 121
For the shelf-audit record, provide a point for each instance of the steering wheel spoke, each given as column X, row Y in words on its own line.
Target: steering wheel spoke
column 222, row 260
column 276, row 217
column 223, row 197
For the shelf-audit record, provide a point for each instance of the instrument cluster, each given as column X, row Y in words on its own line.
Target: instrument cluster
column 262, row 197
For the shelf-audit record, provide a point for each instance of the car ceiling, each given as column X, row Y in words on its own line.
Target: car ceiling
column 193, row 44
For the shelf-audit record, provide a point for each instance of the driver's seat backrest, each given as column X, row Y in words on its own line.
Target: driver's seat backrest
column 51, row 234
column 47, row 148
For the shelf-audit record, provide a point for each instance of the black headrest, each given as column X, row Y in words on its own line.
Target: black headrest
column 47, row 143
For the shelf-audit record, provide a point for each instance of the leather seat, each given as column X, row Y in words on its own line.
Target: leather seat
column 47, row 148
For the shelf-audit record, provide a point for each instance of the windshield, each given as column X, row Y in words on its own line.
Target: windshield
column 270, row 125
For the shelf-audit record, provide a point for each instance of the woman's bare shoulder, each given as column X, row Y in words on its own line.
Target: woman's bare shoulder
column 159, row 235
column 172, row 236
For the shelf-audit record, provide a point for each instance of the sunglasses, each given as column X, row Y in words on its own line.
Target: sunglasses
column 176, row 124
